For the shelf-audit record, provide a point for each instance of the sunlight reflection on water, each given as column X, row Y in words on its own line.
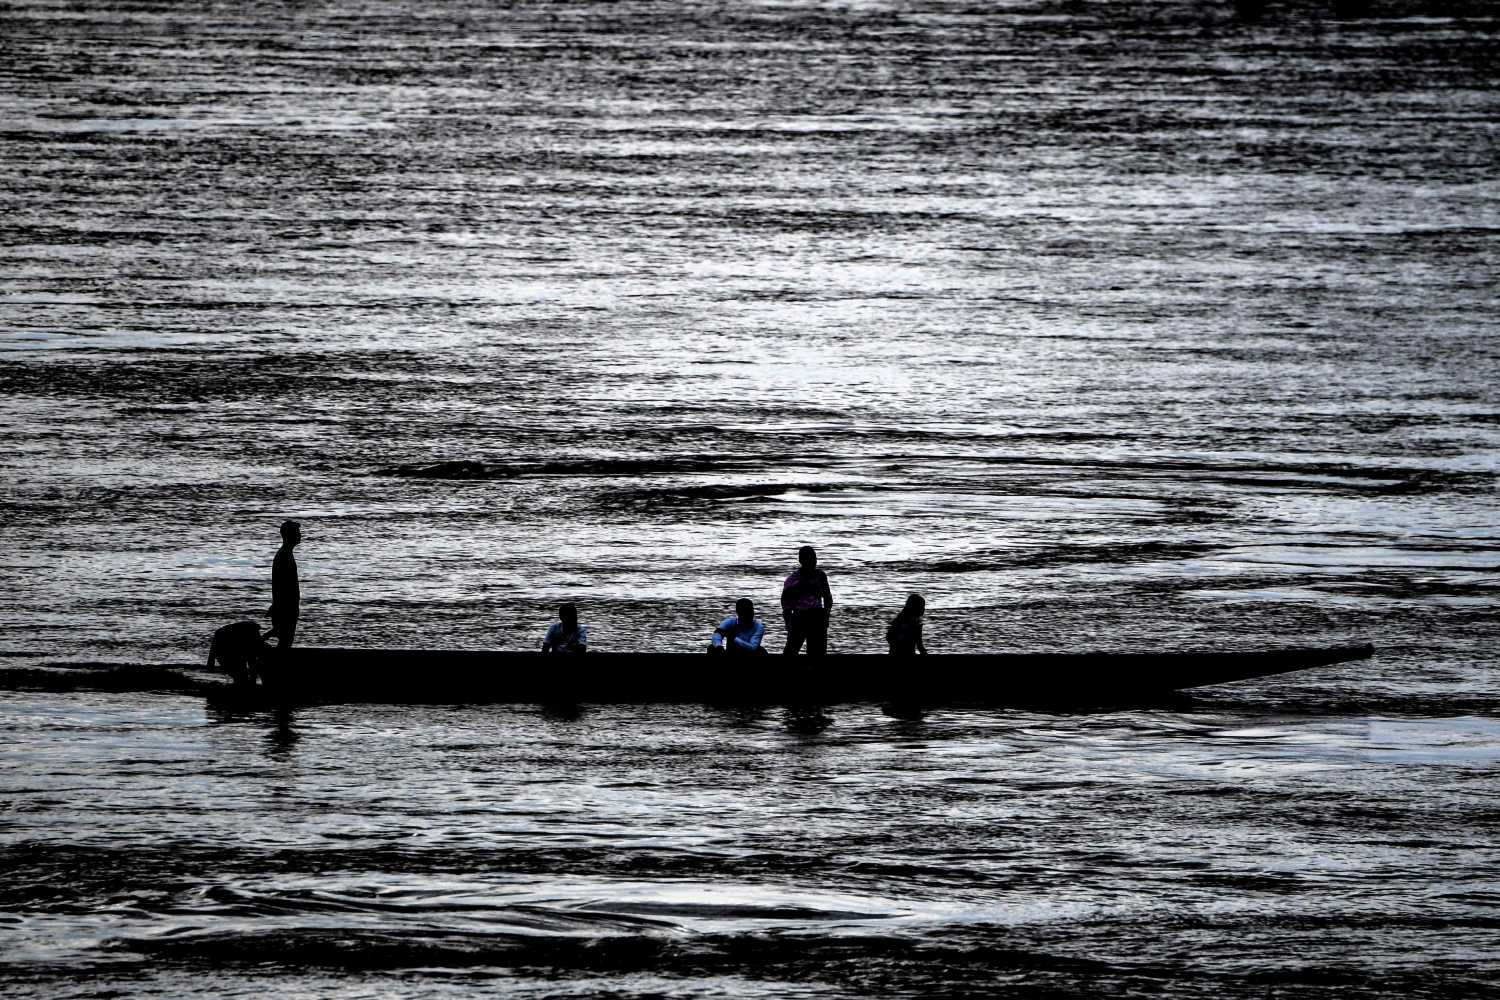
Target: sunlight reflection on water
column 1103, row 328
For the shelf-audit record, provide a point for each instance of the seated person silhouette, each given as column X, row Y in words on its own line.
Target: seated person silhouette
column 566, row 635
column 904, row 637
column 740, row 632
column 239, row 648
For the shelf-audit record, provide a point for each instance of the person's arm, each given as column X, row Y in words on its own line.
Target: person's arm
column 719, row 633
column 583, row 639
column 547, row 639
column 752, row 642
column 921, row 649
column 788, row 592
column 278, row 585
column 827, row 594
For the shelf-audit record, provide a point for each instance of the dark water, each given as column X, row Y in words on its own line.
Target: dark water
column 1111, row 326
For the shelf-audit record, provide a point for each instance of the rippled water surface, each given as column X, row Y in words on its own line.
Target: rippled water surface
column 1109, row 326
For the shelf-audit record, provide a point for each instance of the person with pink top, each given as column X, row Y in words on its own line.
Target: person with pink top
column 805, row 603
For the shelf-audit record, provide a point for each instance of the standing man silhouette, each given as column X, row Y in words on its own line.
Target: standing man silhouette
column 806, row 601
column 286, row 593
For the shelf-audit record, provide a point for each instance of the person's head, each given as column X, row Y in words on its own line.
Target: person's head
column 807, row 556
column 568, row 614
column 745, row 608
column 291, row 532
column 916, row 605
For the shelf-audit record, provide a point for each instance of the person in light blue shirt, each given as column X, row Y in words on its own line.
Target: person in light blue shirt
column 740, row 632
column 566, row 635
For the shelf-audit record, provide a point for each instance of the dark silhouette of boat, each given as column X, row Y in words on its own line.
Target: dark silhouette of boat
column 312, row 674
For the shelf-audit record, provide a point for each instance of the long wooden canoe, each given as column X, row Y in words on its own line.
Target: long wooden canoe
column 337, row 674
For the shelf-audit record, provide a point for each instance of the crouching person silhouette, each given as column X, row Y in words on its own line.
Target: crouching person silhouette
column 239, row 649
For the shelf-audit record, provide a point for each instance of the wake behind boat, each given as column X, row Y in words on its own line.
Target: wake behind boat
column 333, row 674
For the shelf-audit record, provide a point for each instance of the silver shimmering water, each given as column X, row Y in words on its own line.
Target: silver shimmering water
column 1104, row 326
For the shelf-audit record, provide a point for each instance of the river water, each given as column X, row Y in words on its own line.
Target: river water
column 1105, row 326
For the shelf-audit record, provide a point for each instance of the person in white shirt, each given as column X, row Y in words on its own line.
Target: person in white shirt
column 566, row 635
column 740, row 632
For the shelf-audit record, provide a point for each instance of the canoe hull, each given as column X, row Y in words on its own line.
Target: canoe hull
column 340, row 674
